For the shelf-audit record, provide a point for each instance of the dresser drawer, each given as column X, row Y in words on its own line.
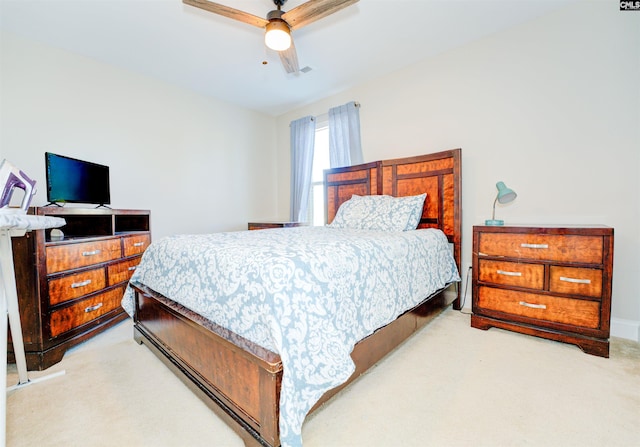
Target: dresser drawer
column 512, row 273
column 569, row 311
column 74, row 286
column 134, row 245
column 64, row 320
column 563, row 248
column 71, row 256
column 122, row 271
column 576, row 281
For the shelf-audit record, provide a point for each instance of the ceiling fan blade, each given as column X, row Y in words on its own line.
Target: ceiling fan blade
column 226, row 11
column 313, row 10
column 289, row 59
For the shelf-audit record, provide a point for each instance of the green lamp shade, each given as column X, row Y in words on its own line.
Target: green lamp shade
column 505, row 195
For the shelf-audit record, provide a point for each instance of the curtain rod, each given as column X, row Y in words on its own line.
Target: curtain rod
column 325, row 116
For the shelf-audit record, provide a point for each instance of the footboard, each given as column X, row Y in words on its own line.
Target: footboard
column 237, row 379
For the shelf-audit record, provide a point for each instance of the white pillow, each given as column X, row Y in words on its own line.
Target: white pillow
column 384, row 213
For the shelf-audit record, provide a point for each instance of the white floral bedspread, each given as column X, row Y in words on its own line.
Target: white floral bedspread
column 306, row 293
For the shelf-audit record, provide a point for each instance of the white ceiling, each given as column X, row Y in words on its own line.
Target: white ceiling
column 223, row 58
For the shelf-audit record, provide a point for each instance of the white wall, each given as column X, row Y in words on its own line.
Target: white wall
column 552, row 104
column 198, row 164
column 551, row 107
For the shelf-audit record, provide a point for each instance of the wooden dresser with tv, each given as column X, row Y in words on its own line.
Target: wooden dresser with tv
column 70, row 286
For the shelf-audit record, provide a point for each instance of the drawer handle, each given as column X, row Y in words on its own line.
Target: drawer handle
column 92, row 308
column 505, row 273
column 132, row 268
column 533, row 306
column 575, row 280
column 91, row 253
column 138, row 244
column 536, row 246
column 86, row 282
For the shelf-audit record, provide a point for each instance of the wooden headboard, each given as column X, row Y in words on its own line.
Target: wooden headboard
column 439, row 175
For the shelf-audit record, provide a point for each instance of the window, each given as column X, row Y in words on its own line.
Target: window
column 320, row 163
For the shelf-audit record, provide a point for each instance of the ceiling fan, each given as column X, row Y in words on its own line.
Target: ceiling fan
column 279, row 24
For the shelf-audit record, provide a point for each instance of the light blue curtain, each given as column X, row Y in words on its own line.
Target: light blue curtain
column 345, row 148
column 303, row 135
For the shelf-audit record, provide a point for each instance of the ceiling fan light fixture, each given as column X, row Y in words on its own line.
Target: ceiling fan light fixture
column 278, row 35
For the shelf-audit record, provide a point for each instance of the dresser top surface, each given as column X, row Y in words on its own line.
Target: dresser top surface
column 546, row 229
column 544, row 226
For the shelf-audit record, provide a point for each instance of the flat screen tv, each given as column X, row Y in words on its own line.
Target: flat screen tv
column 76, row 181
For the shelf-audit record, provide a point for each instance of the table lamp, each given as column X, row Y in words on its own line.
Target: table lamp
column 505, row 195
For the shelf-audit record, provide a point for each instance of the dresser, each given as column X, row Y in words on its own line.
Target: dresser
column 272, row 224
column 550, row 282
column 70, row 285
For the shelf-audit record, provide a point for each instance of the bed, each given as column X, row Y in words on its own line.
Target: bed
column 237, row 372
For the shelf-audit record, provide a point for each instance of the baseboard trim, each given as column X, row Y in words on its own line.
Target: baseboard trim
column 621, row 328
column 628, row 329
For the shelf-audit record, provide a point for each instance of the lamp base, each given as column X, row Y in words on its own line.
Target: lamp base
column 494, row 222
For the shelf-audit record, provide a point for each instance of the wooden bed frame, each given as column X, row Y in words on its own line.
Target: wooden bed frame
column 239, row 380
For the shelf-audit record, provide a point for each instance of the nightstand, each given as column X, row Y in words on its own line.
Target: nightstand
column 267, row 224
column 550, row 282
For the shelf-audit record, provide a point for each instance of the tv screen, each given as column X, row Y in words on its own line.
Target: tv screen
column 76, row 181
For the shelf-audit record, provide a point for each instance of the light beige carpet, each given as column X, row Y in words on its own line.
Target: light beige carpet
column 449, row 385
